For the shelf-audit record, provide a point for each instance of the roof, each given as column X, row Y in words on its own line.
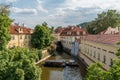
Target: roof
column 110, row 30
column 72, row 31
column 106, row 39
column 58, row 30
column 15, row 29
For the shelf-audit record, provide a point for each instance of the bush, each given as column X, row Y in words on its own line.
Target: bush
column 18, row 64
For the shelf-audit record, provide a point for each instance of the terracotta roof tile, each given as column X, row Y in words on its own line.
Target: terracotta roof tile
column 106, row 39
column 14, row 29
column 72, row 30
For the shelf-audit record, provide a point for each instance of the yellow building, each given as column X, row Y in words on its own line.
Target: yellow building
column 99, row 48
column 20, row 36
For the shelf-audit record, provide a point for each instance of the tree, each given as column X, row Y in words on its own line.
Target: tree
column 103, row 21
column 5, row 22
column 115, row 69
column 95, row 71
column 41, row 37
column 18, row 64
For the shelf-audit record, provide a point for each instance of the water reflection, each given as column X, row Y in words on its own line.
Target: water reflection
column 72, row 73
column 67, row 73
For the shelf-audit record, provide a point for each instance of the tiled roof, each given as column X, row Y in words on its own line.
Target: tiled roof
column 72, row 31
column 58, row 30
column 14, row 29
column 105, row 39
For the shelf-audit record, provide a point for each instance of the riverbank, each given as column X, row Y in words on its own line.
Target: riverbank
column 43, row 59
column 45, row 55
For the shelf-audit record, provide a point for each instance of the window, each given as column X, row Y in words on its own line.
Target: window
column 111, row 62
column 91, row 53
column 104, row 59
column 13, row 37
column 111, row 52
column 20, row 36
column 98, row 56
column 94, row 54
column 25, row 36
column 29, row 37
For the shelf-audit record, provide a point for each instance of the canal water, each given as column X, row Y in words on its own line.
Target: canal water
column 67, row 73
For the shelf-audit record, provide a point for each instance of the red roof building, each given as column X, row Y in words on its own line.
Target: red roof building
column 16, row 29
column 20, row 36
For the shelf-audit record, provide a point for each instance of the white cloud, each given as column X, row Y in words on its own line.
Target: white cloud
column 103, row 4
column 77, row 11
column 23, row 10
column 40, row 7
column 67, row 13
column 11, row 1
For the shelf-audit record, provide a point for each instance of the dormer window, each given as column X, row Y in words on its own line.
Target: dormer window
column 78, row 33
column 20, row 30
column 68, row 33
column 31, row 31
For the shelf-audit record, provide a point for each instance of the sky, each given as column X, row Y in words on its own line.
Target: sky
column 58, row 12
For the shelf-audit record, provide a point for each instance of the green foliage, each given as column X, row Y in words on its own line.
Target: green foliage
column 118, row 53
column 51, row 49
column 18, row 64
column 41, row 38
column 5, row 22
column 115, row 70
column 39, row 53
column 103, row 21
column 96, row 73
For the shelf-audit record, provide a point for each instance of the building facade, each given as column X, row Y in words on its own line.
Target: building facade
column 20, row 36
column 92, row 48
column 70, row 34
column 99, row 48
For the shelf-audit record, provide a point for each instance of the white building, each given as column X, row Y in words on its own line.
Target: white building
column 69, row 34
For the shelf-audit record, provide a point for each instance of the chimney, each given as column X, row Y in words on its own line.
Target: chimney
column 17, row 24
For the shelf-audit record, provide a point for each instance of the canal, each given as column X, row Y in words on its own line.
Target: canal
column 67, row 73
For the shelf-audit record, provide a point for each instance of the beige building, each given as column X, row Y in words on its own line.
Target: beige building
column 69, row 34
column 20, row 36
column 111, row 30
column 93, row 48
column 99, row 48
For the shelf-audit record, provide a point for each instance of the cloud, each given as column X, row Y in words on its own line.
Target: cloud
column 40, row 7
column 65, row 12
column 103, row 4
column 78, row 11
column 23, row 10
column 11, row 1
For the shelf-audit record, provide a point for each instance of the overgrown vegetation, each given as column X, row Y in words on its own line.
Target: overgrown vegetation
column 5, row 22
column 95, row 71
column 103, row 21
column 51, row 49
column 18, row 64
column 41, row 37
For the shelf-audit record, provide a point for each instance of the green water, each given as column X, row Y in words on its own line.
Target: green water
column 66, row 73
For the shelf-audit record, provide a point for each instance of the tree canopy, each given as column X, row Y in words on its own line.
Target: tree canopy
column 5, row 22
column 95, row 71
column 18, row 64
column 103, row 21
column 41, row 37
